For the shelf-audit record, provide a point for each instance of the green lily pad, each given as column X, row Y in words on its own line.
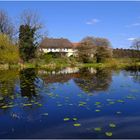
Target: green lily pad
column 77, row 124
column 27, row 104
column 66, row 119
column 97, row 110
column 112, row 125
column 39, row 104
column 120, row 101
column 97, row 103
column 130, row 97
column 4, row 107
column 111, row 102
column 109, row 134
column 1, row 98
column 74, row 119
column 97, row 129
column 82, row 103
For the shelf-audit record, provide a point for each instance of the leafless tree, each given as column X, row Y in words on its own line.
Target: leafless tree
column 103, row 49
column 6, row 26
column 31, row 18
column 136, row 44
column 86, row 49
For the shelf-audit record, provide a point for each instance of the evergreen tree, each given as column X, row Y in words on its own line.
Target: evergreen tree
column 27, row 46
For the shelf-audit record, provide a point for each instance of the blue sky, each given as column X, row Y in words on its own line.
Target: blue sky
column 117, row 21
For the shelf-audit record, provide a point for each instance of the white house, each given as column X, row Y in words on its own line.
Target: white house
column 62, row 46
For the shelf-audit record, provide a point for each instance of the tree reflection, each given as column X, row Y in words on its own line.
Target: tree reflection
column 8, row 79
column 93, row 80
column 134, row 72
column 28, row 82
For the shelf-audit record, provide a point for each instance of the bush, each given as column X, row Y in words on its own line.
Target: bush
column 8, row 51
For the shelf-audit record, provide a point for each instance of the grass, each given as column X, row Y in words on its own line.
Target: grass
column 57, row 63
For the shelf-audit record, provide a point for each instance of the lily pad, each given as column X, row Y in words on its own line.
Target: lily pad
column 1, row 98
column 27, row 104
column 74, row 119
column 97, row 110
column 4, row 107
column 97, row 103
column 112, row 125
column 111, row 102
column 66, row 119
column 97, row 129
column 130, row 97
column 120, row 101
column 39, row 104
column 77, row 124
column 109, row 134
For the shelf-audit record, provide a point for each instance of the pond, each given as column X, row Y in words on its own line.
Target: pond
column 70, row 103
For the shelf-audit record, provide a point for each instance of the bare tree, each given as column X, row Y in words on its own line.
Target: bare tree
column 103, row 49
column 86, row 49
column 136, row 44
column 6, row 26
column 31, row 18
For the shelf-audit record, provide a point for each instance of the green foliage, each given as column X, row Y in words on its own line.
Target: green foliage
column 86, row 50
column 8, row 51
column 27, row 45
column 102, row 53
column 91, row 49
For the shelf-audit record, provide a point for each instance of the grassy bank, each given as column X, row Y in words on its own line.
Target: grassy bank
column 62, row 63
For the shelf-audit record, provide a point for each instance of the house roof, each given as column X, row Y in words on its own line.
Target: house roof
column 56, row 43
column 75, row 44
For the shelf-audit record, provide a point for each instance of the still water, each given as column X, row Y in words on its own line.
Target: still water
column 70, row 103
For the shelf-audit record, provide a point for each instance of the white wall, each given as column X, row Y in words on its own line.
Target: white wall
column 68, row 51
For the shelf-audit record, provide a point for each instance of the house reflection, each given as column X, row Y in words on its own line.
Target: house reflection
column 58, row 76
column 88, row 79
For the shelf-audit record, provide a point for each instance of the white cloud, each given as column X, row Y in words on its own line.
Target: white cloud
column 93, row 21
column 131, row 38
column 136, row 24
column 133, row 25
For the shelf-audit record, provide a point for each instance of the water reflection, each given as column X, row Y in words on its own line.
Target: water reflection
column 97, row 80
column 133, row 72
column 7, row 85
column 50, row 103
column 28, row 83
column 88, row 79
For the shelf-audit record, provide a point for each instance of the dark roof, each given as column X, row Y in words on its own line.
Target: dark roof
column 56, row 43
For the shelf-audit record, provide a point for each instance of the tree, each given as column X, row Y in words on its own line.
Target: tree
column 136, row 44
column 8, row 51
column 103, row 49
column 31, row 18
column 27, row 47
column 6, row 26
column 29, row 35
column 86, row 49
column 94, row 48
